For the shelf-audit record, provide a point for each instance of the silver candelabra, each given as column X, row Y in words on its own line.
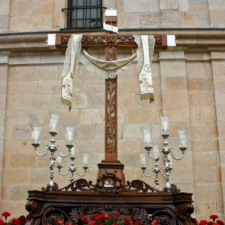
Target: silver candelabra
column 53, row 130
column 167, row 152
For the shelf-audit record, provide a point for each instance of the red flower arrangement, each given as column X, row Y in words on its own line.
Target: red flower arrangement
column 105, row 219
column 205, row 222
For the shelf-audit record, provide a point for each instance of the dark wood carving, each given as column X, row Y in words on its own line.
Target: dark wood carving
column 117, row 186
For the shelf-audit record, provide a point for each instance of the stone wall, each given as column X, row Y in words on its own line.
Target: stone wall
column 40, row 15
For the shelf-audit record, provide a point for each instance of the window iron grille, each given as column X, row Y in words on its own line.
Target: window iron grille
column 83, row 14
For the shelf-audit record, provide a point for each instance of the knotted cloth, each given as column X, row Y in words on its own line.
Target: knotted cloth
column 110, row 69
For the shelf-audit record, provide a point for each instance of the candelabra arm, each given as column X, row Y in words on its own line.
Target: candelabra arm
column 177, row 158
column 63, row 156
column 64, row 174
column 81, row 175
column 148, row 175
column 41, row 155
column 162, row 174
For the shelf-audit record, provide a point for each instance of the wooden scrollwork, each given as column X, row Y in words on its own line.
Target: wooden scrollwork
column 34, row 208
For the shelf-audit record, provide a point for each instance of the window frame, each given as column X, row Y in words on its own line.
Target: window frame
column 70, row 8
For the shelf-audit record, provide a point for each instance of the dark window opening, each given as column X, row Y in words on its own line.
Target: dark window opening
column 84, row 14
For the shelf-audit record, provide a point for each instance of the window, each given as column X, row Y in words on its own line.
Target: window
column 84, row 14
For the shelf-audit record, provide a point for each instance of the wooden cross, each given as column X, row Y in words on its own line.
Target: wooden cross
column 111, row 42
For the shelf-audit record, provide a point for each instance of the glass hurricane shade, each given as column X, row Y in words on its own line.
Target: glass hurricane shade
column 85, row 160
column 143, row 160
column 147, row 137
column 156, row 151
column 69, row 134
column 165, row 125
column 182, row 138
column 36, row 134
column 73, row 151
column 53, row 125
column 59, row 160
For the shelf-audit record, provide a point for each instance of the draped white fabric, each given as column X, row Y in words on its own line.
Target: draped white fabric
column 110, row 69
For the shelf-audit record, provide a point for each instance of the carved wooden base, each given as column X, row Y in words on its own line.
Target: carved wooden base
column 107, row 170
column 85, row 198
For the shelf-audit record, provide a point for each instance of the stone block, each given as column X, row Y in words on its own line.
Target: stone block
column 128, row 19
column 57, row 102
column 97, row 145
column 183, row 5
column 166, row 4
column 43, row 101
column 220, row 98
column 50, row 87
column 177, row 113
column 22, row 87
column 212, row 130
column 18, row 192
column 201, row 98
column 220, row 113
column 92, row 116
column 4, row 9
column 198, row 131
column 84, row 131
column 187, row 19
column 218, row 67
column 199, row 84
column 80, row 100
column 39, row 176
column 142, row 116
column 198, row 2
column 157, row 103
column 207, row 192
column 82, row 146
column 17, row 117
column 128, row 159
column 13, row 9
column 216, row 4
column 205, row 159
column 20, row 177
column 2, row 101
column 217, row 18
column 22, row 160
column 182, row 175
column 127, row 85
column 150, row 19
column 132, row 131
column 140, row 6
column 204, row 175
column 18, row 146
column 46, row 73
column 3, row 72
column 126, row 100
column 172, row 69
column 205, row 115
column 2, row 117
column 94, row 85
column 22, row 101
column 202, row 19
column 46, row 9
column 47, row 22
column 174, row 83
column 20, row 132
column 4, row 21
column 198, row 70
column 209, row 207
column 170, row 18
column 21, row 73
column 22, row 9
column 175, row 98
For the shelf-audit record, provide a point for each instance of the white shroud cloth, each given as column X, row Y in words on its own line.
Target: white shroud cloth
column 110, row 69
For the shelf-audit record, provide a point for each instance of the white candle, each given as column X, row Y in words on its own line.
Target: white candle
column 183, row 144
column 53, row 127
column 165, row 126
column 36, row 135
column 59, row 160
column 70, row 136
column 85, row 160
column 73, row 151
column 147, row 139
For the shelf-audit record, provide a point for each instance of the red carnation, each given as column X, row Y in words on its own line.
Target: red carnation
column 115, row 223
column 58, row 222
column 116, row 216
column 194, row 221
column 102, row 217
column 83, row 218
column 15, row 221
column 220, row 222
column 67, row 223
column 106, row 215
column 210, row 223
column 101, row 224
column 22, row 219
column 155, row 222
column 126, row 221
column 6, row 214
column 93, row 222
column 2, row 222
column 95, row 216
column 203, row 222
column 137, row 222
column 213, row 217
